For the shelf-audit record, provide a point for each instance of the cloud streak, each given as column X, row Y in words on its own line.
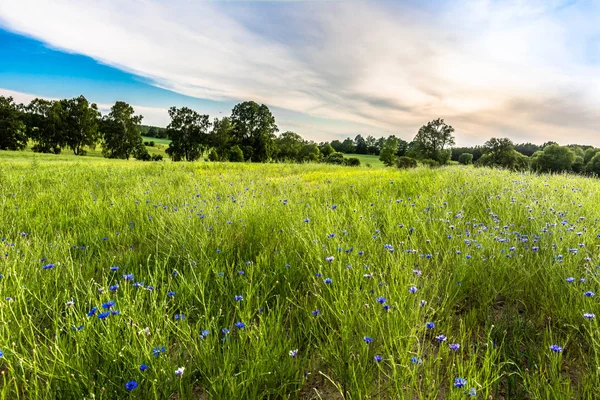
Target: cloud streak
column 514, row 68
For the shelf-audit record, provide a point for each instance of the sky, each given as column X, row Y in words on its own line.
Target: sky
column 524, row 69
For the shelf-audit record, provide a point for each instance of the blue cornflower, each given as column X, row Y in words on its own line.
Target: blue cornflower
column 240, row 325
column 416, row 360
column 241, row 272
column 238, row 298
column 367, row 339
column 108, row 305
column 115, row 312
column 114, row 268
column 329, row 259
column 225, row 331
column 204, row 333
column 103, row 315
column 589, row 315
column 472, row 392
column 1, row 353
column 570, row 279
column 77, row 328
column 440, row 338
column 113, row 288
column 378, row 358
column 143, row 367
column 460, row 382
column 293, row 353
column 318, row 274
column 131, row 385
column 150, row 288
column 454, row 346
column 48, row 266
column 170, row 294
column 413, row 289
column 430, row 325
column 128, row 277
column 589, row 294
column 138, row 284
column 92, row 311
column 179, row 317
column 381, row 300
column 386, row 307
column 327, row 280
column 333, row 207
column 157, row 350
column 316, row 312
column 556, row 348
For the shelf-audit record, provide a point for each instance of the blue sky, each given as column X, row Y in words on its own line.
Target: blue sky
column 528, row 70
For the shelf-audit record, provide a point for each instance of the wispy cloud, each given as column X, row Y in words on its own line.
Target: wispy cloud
column 513, row 68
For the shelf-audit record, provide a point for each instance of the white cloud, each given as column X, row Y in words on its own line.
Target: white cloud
column 156, row 116
column 511, row 68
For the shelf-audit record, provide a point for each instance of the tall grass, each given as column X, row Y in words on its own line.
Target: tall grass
column 487, row 251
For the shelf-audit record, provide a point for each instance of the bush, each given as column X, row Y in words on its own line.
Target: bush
column 335, row 158
column 510, row 159
column 213, row 156
column 353, row 162
column 151, row 144
column 157, row 157
column 403, row 162
column 236, row 154
column 429, row 162
column 465, row 158
column 553, row 158
column 593, row 167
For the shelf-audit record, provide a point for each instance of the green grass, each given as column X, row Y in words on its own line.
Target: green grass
column 367, row 159
column 156, row 140
column 463, row 237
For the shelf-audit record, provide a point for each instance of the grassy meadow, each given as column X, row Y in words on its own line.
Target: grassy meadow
column 241, row 281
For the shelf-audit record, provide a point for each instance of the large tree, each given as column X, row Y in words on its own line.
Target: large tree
column 220, row 137
column 432, row 139
column 360, row 145
column 553, row 158
column 13, row 134
column 80, row 124
column 288, row 146
column 44, row 121
column 121, row 136
column 254, row 130
column 388, row 152
column 188, row 131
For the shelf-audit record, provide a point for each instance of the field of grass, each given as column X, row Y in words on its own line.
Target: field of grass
column 294, row 281
column 365, row 159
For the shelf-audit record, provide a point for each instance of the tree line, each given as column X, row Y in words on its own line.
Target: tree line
column 55, row 125
column 250, row 134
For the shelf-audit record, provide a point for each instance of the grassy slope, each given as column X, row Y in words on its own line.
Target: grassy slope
column 208, row 221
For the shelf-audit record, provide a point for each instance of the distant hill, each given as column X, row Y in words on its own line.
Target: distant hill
column 154, row 131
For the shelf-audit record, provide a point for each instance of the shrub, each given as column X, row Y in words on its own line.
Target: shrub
column 213, row 156
column 403, row 162
column 353, row 162
column 157, row 157
column 236, row 154
column 593, row 167
column 335, row 158
column 429, row 162
column 465, row 158
column 553, row 158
